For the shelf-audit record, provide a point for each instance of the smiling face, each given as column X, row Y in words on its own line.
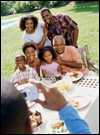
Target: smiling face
column 59, row 45
column 20, row 62
column 46, row 16
column 30, row 54
column 47, row 56
column 29, row 25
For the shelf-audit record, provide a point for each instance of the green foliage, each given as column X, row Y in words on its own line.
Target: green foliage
column 6, row 7
column 26, row 6
column 87, row 17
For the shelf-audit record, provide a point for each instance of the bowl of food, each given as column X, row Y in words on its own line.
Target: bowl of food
column 75, row 76
column 58, row 127
column 63, row 85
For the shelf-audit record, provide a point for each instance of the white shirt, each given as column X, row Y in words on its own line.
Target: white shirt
column 36, row 37
column 29, row 73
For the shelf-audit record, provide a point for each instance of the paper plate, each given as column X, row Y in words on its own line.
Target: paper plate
column 54, row 129
column 75, row 76
column 79, row 102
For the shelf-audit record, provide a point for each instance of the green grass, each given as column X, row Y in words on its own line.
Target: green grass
column 87, row 17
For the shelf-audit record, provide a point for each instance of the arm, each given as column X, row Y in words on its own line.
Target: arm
column 73, row 29
column 73, row 64
column 71, row 23
column 74, row 60
column 42, row 42
column 75, row 36
column 23, row 81
column 73, row 121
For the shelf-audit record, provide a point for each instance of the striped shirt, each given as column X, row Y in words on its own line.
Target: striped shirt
column 19, row 75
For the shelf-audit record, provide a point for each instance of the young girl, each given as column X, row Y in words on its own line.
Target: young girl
column 49, row 65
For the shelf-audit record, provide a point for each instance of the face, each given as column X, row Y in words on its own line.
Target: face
column 47, row 56
column 46, row 16
column 59, row 46
column 30, row 54
column 20, row 62
column 29, row 25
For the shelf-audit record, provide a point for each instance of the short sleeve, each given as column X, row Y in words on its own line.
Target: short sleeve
column 14, row 78
column 75, row 56
column 71, row 23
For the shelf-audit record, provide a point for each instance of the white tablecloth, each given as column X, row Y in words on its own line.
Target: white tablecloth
column 89, row 86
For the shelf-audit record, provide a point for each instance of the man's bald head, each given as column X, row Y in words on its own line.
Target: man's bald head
column 59, row 44
column 58, row 39
column 13, row 109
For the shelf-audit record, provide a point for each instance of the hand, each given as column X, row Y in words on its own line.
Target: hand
column 54, row 100
column 63, row 69
column 46, row 25
column 45, row 73
column 59, row 59
column 45, row 30
column 23, row 81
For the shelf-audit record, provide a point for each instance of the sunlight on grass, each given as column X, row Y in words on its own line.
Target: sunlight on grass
column 87, row 19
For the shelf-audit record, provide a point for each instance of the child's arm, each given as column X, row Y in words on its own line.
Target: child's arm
column 23, row 81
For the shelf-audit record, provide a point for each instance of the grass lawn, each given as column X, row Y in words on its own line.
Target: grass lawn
column 87, row 17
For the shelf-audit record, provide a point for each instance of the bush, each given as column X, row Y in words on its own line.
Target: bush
column 5, row 8
column 10, row 7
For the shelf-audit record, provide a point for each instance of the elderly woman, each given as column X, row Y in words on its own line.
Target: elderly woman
column 34, row 31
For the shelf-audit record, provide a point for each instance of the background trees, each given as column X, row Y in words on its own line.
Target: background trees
column 12, row 7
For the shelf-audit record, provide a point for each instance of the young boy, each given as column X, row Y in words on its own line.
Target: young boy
column 23, row 72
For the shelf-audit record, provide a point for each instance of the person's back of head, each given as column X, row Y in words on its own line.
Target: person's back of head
column 14, row 111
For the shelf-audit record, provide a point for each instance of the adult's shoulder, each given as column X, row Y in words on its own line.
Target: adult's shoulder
column 71, row 48
column 73, row 51
column 60, row 15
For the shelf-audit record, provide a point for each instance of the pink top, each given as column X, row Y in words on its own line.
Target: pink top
column 72, row 54
column 50, row 68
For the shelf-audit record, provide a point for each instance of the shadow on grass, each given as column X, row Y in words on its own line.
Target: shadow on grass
column 86, row 7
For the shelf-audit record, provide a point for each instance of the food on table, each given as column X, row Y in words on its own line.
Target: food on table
column 58, row 127
column 79, row 102
column 75, row 75
column 74, row 103
column 36, row 119
column 62, row 85
column 58, row 77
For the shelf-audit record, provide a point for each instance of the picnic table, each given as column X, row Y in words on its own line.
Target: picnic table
column 88, row 87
